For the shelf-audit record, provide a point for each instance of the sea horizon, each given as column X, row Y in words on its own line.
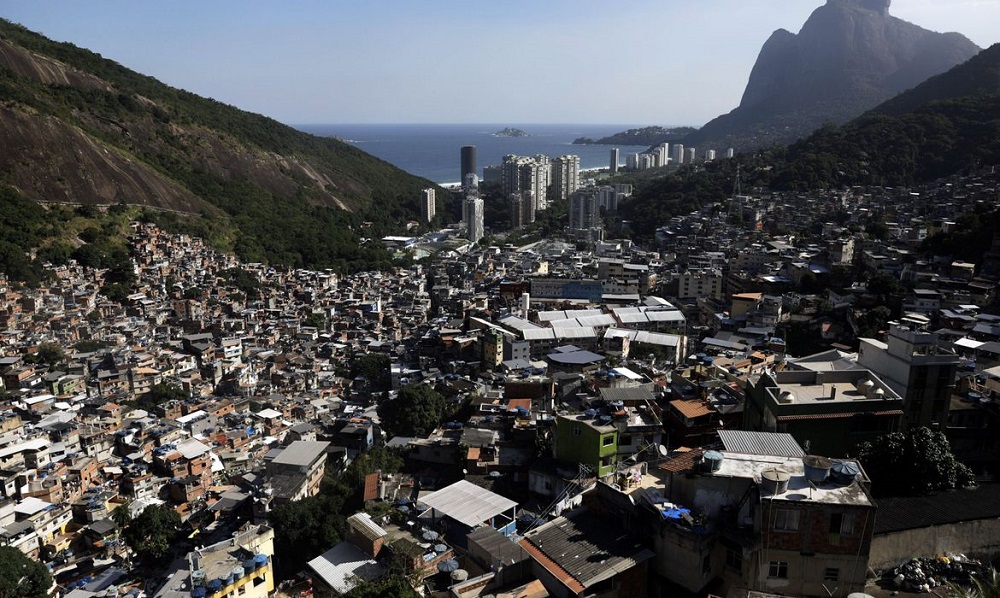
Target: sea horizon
column 431, row 150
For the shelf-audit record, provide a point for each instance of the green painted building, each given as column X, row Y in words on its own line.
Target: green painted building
column 588, row 440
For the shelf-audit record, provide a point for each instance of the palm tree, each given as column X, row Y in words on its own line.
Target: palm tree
column 985, row 584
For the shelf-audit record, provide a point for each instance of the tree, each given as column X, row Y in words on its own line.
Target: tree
column 151, row 533
column 417, row 411
column 21, row 577
column 393, row 585
column 50, row 354
column 375, row 369
column 913, row 463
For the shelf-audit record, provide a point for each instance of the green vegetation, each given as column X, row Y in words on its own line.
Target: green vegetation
column 151, row 533
column 22, row 577
column 985, row 584
column 417, row 411
column 305, row 529
column 374, row 367
column 264, row 190
column 393, row 585
column 158, row 394
column 913, row 463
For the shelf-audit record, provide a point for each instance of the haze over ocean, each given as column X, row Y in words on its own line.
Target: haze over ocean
column 432, row 150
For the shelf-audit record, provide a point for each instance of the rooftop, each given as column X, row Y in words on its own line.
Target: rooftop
column 467, row 503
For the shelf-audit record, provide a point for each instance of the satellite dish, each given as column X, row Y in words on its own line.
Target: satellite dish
column 662, row 450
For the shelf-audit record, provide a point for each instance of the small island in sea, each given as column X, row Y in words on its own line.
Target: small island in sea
column 641, row 136
column 511, row 132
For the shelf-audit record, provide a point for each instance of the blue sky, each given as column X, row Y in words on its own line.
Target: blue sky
column 518, row 61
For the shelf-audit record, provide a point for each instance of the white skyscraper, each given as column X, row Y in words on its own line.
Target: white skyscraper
column 709, row 155
column 520, row 174
column 692, row 154
column 427, row 207
column 678, row 153
column 565, row 178
column 614, row 160
column 730, row 152
column 474, row 218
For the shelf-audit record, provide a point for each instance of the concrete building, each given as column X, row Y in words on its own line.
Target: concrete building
column 297, row 470
column 788, row 525
column 613, row 163
column 524, row 174
column 831, row 411
column 565, row 177
column 678, row 153
column 913, row 364
column 427, row 205
column 474, row 218
column 691, row 154
column 583, row 212
column 468, row 153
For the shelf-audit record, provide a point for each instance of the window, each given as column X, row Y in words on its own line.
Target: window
column 577, row 431
column 607, row 440
column 842, row 523
column 734, row 558
column 777, row 570
column 786, row 520
column 625, row 440
column 831, row 574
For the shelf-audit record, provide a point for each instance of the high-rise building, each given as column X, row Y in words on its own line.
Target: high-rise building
column 709, row 155
column 678, row 153
column 474, row 218
column 692, row 154
column 427, row 207
column 614, row 160
column 468, row 161
column 522, row 210
column 664, row 152
column 565, row 176
column 470, row 184
column 730, row 152
column 583, row 211
column 522, row 174
column 632, row 161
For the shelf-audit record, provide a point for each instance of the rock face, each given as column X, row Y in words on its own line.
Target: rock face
column 850, row 56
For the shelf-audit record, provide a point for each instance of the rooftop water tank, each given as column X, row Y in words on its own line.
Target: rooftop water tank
column 816, row 468
column 712, row 461
column 774, row 481
column 844, row 472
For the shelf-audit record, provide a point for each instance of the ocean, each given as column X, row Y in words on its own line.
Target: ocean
column 432, row 150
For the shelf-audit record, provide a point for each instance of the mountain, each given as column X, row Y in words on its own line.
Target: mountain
column 978, row 77
column 643, row 136
column 948, row 125
column 77, row 128
column 850, row 56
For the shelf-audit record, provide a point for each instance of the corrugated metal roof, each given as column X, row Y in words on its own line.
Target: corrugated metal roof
column 760, row 443
column 584, row 549
column 467, row 503
column 368, row 528
column 301, row 453
column 344, row 566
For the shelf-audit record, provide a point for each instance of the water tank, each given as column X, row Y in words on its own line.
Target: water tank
column 844, row 472
column 590, row 413
column 712, row 461
column 774, row 480
column 260, row 559
column 816, row 468
column 786, row 396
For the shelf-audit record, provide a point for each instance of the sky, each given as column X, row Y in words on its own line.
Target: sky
column 663, row 62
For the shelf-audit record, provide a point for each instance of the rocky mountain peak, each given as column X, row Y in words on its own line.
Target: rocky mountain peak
column 849, row 57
